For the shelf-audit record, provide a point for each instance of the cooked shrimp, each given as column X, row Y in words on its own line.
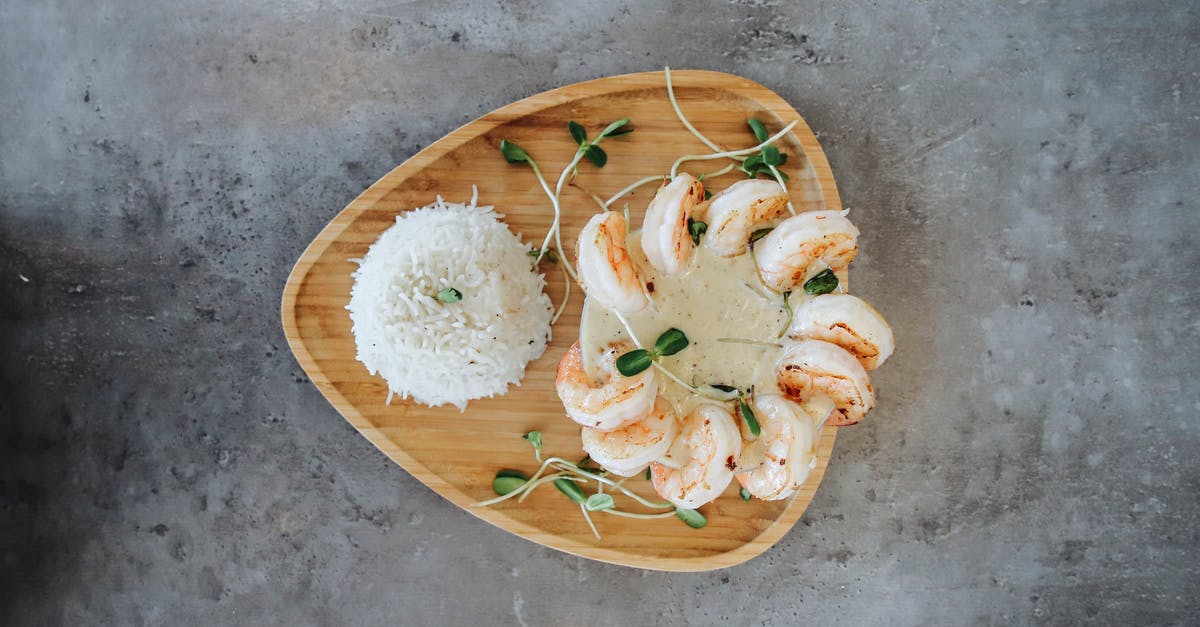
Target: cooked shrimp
column 712, row 437
column 811, row 367
column 732, row 214
column 787, row 439
column 606, row 270
column 610, row 403
column 847, row 321
column 804, row 245
column 666, row 240
column 627, row 450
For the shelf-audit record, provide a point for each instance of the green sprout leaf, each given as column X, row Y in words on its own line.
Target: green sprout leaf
column 449, row 295
column 691, row 517
column 753, row 165
column 748, row 416
column 760, row 131
column 597, row 502
column 759, row 234
column 550, row 256
column 723, row 388
column 771, row 156
column 508, row 481
column 615, row 130
column 571, row 489
column 512, row 152
column 596, row 155
column 648, row 475
column 823, row 283
column 670, row 342
column 535, row 439
column 577, row 132
column 745, row 494
column 696, row 228
column 707, row 194
column 634, row 361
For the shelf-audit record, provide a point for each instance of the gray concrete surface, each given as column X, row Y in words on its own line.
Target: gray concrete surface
column 1025, row 175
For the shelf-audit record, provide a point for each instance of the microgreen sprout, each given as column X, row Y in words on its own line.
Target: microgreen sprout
column 745, row 494
column 759, row 234
column 449, row 295
column 788, row 308
column 823, row 283
column 637, row 360
column 570, row 478
column 691, row 517
column 535, row 439
column 748, row 415
column 696, row 228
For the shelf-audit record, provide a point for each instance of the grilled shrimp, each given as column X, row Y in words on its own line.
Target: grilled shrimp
column 666, row 240
column 612, row 402
column 732, row 214
column 847, row 321
column 712, row 437
column 606, row 270
column 627, row 450
column 808, row 368
column 804, row 245
column 788, row 441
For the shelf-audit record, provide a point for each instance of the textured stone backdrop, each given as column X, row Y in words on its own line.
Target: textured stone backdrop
column 1025, row 176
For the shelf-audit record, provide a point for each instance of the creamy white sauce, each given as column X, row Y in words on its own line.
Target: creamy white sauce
column 716, row 298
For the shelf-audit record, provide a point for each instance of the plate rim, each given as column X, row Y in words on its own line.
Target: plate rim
column 740, row 86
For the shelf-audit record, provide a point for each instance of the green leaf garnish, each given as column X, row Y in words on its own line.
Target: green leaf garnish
column 577, row 132
column 748, row 416
column 707, row 194
column 691, row 517
column 571, row 489
column 596, row 155
column 512, row 152
column 550, row 256
column 760, row 131
column 771, row 156
column 634, row 361
column 753, row 165
column 535, row 439
column 597, row 502
column 745, row 494
column 696, row 228
column 648, row 475
column 759, row 234
column 670, row 342
column 507, row 481
column 823, row 283
column 723, row 388
column 449, row 295
column 615, row 130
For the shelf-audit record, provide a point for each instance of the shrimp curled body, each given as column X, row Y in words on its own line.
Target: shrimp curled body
column 666, row 240
column 610, row 403
column 733, row 213
column 627, row 450
column 810, row 368
column 606, row 270
column 788, row 440
column 804, row 245
column 715, row 444
column 849, row 322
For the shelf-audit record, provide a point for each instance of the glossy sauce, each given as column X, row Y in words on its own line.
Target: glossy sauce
column 717, row 297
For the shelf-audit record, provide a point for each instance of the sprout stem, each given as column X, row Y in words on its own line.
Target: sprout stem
column 732, row 153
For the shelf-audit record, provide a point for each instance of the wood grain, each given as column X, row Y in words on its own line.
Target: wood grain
column 457, row 454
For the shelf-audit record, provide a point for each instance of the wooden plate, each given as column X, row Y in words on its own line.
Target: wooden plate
column 457, row 454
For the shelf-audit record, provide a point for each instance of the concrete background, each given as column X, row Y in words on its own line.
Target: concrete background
column 1025, row 177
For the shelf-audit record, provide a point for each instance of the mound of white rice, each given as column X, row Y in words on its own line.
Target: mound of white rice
column 437, row 352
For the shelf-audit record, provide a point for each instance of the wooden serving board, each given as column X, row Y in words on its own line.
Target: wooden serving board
column 457, row 454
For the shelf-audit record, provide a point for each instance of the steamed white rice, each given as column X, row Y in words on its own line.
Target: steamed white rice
column 435, row 352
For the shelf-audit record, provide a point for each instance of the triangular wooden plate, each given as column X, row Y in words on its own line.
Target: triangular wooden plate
column 457, row 454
